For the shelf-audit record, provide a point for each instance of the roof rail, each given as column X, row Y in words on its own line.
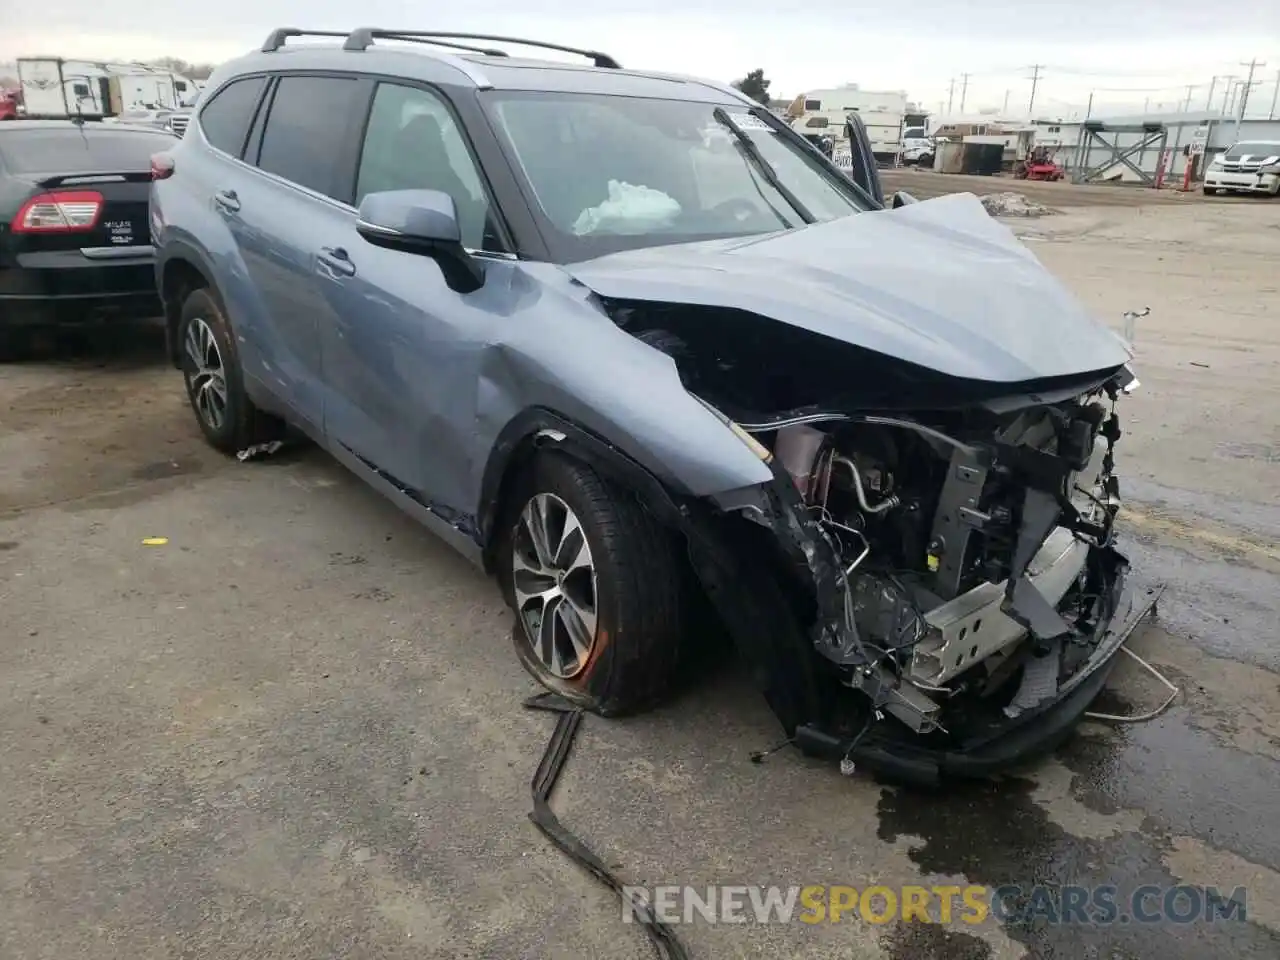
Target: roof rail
column 363, row 37
column 278, row 37
column 487, row 51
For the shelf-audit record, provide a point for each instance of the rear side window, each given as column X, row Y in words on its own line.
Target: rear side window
column 307, row 130
column 96, row 149
column 225, row 119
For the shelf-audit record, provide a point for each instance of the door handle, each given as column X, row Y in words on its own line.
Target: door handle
column 227, row 200
column 337, row 261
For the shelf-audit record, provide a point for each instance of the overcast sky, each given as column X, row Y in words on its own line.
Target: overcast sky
column 1129, row 51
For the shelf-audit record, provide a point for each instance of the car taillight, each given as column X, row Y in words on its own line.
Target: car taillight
column 62, row 211
column 161, row 166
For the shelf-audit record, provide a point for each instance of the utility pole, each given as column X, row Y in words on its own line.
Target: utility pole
column 964, row 89
column 1275, row 95
column 1035, row 81
column 951, row 93
column 1004, row 112
column 1088, row 110
column 1226, row 94
column 1244, row 91
column 1208, row 103
column 1186, row 107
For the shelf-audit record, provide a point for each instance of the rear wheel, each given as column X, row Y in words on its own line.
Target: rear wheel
column 215, row 384
column 597, row 588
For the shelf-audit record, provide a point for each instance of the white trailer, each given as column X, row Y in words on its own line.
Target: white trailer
column 823, row 113
column 53, row 87
column 143, row 87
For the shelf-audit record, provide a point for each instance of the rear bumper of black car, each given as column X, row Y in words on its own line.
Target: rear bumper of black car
column 76, row 286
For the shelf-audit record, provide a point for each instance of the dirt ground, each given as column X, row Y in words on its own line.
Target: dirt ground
column 294, row 730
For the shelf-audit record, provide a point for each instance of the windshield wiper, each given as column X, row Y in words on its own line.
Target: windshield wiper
column 766, row 169
column 764, row 116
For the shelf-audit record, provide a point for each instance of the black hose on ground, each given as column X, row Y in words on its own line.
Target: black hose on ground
column 665, row 943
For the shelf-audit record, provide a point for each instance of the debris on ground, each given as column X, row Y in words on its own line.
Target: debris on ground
column 1010, row 204
column 664, row 940
column 259, row 450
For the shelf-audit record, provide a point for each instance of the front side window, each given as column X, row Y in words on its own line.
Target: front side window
column 610, row 172
column 307, row 129
column 413, row 142
column 226, row 117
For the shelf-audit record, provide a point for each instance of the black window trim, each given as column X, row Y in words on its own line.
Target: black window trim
column 516, row 221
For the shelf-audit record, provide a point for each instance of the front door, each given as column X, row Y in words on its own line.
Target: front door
column 401, row 351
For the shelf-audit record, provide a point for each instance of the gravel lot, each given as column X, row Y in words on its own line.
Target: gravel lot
column 295, row 729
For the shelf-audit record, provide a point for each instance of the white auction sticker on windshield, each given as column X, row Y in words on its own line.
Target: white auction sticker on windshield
column 747, row 121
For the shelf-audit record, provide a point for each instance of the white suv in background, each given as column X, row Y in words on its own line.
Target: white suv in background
column 1251, row 166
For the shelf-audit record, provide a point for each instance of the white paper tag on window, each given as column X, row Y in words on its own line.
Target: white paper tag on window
column 747, row 121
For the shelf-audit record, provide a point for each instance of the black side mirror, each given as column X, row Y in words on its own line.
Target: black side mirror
column 424, row 222
column 901, row 198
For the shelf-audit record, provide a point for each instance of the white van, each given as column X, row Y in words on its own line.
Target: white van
column 1251, row 166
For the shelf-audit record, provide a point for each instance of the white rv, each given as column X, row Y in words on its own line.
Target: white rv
column 823, row 112
column 54, row 87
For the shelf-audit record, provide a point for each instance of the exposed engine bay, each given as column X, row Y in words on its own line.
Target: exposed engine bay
column 972, row 533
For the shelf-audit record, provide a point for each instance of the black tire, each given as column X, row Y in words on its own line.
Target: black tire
column 241, row 424
column 639, row 591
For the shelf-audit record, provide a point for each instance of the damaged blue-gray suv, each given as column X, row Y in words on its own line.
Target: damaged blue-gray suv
column 639, row 349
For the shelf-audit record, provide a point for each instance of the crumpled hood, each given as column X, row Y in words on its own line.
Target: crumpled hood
column 937, row 283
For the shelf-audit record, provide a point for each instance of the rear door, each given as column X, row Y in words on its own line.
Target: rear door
column 304, row 147
column 76, row 195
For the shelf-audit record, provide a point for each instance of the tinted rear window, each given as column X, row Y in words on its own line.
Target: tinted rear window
column 71, row 150
column 225, row 119
column 307, row 129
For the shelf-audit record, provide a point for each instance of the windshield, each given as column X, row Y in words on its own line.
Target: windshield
column 611, row 173
column 1254, row 150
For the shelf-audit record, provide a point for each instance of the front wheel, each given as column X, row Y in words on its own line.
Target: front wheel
column 597, row 588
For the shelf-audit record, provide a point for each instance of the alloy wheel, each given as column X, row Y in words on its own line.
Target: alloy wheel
column 206, row 378
column 555, row 585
